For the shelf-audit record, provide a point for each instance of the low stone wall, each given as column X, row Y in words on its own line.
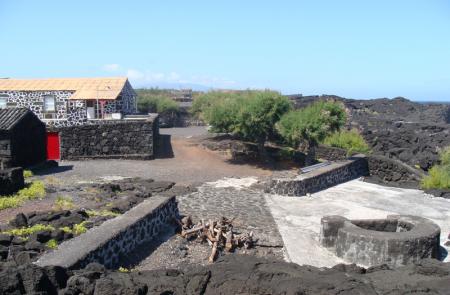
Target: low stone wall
column 330, row 153
column 393, row 172
column 321, row 178
column 107, row 243
column 131, row 139
column 11, row 180
column 395, row 241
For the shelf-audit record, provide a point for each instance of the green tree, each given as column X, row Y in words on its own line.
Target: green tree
column 250, row 115
column 305, row 128
column 156, row 100
column 204, row 101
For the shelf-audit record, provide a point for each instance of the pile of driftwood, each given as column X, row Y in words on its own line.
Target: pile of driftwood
column 218, row 234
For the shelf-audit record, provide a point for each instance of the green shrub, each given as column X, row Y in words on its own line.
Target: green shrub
column 351, row 141
column 27, row 173
column 439, row 175
column 445, row 156
column 310, row 125
column 63, row 203
column 123, row 269
column 250, row 115
column 52, row 244
column 34, row 191
column 26, row 231
column 103, row 213
column 10, row 202
column 66, row 229
column 79, row 228
column 156, row 100
column 438, row 178
column 203, row 102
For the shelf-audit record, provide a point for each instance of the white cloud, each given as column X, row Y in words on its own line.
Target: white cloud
column 135, row 74
column 111, row 67
column 145, row 78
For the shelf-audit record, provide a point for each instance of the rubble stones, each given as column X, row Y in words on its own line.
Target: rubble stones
column 234, row 274
column 11, row 180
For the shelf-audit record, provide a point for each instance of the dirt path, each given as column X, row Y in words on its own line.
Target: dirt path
column 184, row 162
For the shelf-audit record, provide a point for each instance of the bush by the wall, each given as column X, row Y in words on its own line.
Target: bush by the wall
column 309, row 126
column 439, row 175
column 36, row 190
column 156, row 100
column 350, row 140
column 250, row 115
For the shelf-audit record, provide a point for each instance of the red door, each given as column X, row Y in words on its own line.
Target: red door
column 53, row 146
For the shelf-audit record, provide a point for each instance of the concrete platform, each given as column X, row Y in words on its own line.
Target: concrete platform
column 298, row 219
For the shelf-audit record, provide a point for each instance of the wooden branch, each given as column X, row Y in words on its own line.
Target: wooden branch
column 184, row 233
column 210, row 236
column 213, row 253
column 229, row 241
column 219, row 235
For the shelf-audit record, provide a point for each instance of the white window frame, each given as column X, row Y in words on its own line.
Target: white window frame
column 46, row 110
column 3, row 97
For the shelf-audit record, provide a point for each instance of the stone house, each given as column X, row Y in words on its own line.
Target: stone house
column 70, row 101
column 22, row 138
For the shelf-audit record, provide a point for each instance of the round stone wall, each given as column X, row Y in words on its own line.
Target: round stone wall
column 396, row 240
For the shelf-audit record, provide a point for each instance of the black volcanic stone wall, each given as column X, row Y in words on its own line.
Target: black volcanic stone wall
column 393, row 172
column 330, row 153
column 11, row 180
column 113, row 139
column 108, row 243
column 319, row 179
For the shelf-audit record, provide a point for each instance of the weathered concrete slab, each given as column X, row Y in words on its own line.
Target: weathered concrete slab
column 298, row 219
column 106, row 243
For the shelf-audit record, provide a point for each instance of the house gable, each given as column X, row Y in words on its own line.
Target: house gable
column 71, row 96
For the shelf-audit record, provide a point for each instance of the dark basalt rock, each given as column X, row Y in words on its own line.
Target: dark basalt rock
column 232, row 274
column 73, row 218
column 35, row 245
column 58, row 235
column 5, row 240
column 123, row 205
column 440, row 193
column 396, row 128
column 20, row 220
column 4, row 252
column 18, row 241
column 41, row 236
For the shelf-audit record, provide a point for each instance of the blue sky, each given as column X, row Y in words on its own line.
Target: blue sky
column 357, row 49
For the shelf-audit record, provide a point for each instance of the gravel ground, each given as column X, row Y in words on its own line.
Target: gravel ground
column 230, row 198
column 181, row 161
column 185, row 162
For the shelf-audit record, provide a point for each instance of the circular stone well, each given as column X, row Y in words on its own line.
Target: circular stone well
column 396, row 240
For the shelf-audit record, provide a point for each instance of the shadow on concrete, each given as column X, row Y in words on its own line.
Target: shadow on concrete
column 52, row 170
column 143, row 251
column 164, row 147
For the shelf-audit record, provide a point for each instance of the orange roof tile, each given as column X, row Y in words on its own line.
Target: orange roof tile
column 85, row 88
